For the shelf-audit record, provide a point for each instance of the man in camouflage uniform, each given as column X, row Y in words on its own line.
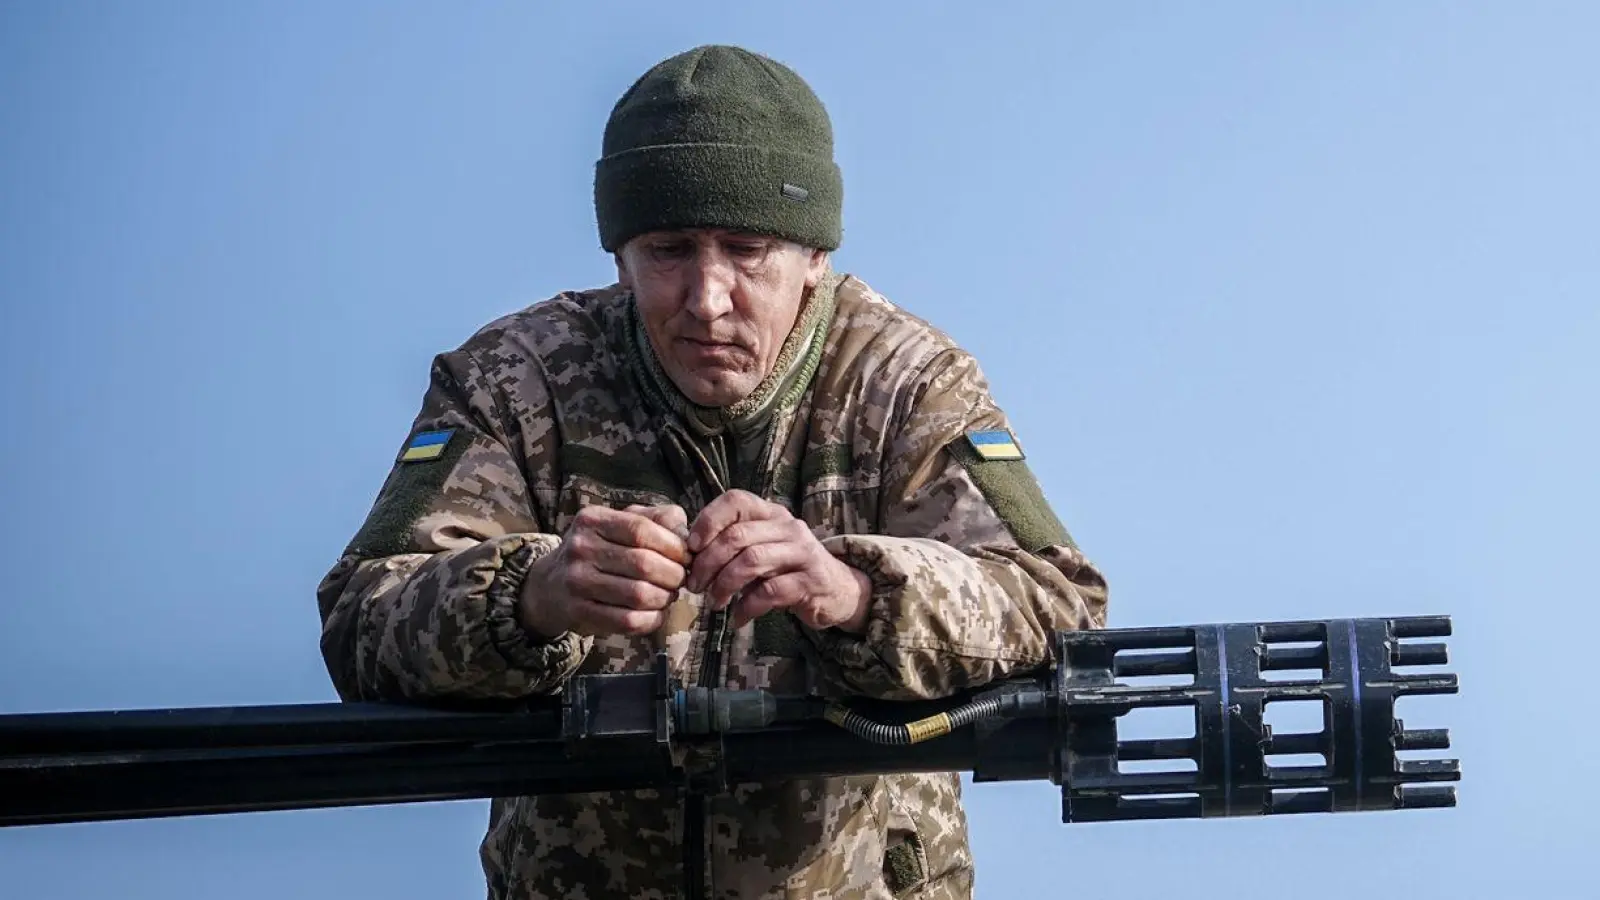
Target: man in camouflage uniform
column 735, row 455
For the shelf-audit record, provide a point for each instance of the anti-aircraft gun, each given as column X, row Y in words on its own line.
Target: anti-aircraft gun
column 627, row 731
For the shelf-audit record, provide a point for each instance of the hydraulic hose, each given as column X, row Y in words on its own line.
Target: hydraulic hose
column 994, row 706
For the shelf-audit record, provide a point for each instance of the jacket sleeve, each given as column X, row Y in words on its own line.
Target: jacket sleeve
column 971, row 569
column 421, row 605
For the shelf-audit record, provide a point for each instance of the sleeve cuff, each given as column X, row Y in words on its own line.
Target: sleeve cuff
column 859, row 658
column 553, row 658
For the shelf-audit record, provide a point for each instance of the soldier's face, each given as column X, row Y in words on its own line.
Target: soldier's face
column 717, row 304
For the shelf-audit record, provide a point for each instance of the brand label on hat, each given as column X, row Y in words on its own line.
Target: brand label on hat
column 795, row 192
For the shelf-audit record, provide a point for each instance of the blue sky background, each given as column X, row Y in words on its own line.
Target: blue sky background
column 1294, row 307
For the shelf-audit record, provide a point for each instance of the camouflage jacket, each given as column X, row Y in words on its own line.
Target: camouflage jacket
column 869, row 430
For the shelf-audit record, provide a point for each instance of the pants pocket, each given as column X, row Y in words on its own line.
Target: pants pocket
column 905, row 858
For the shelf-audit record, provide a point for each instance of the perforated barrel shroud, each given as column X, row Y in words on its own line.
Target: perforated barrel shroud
column 1231, row 749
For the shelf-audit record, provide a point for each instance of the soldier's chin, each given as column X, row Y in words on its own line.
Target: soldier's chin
column 715, row 386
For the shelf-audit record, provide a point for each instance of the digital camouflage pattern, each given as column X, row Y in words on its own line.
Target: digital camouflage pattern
column 861, row 433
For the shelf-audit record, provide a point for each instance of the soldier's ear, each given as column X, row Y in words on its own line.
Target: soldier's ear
column 624, row 277
column 816, row 266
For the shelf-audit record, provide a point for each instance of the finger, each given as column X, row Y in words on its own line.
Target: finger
column 754, row 563
column 669, row 516
column 728, row 508
column 624, row 593
column 673, row 518
column 729, row 543
column 632, row 530
column 601, row 619
column 636, row 564
column 777, row 592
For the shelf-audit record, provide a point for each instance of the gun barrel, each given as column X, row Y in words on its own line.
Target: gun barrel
column 641, row 730
column 237, row 728
column 1423, row 739
column 209, row 780
column 1278, row 659
column 1178, row 662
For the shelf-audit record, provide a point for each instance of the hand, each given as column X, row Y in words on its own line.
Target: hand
column 747, row 546
column 615, row 572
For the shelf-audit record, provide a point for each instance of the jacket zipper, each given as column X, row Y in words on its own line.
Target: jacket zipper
column 697, row 878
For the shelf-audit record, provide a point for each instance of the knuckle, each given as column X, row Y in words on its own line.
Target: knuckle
column 637, row 531
column 581, row 544
column 725, row 582
column 638, row 622
column 756, row 556
column 674, row 575
column 643, row 595
column 634, row 561
column 570, row 562
column 655, row 566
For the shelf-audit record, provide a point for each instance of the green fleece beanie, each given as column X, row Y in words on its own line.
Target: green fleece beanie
column 719, row 137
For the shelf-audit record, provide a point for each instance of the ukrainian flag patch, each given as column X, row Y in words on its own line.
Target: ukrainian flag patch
column 998, row 443
column 427, row 445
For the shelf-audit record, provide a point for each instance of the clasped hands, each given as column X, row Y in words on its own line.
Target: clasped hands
column 617, row 571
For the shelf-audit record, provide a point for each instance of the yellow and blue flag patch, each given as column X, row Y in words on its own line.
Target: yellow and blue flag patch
column 427, row 445
column 998, row 443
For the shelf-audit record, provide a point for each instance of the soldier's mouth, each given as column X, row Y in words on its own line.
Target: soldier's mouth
column 710, row 349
